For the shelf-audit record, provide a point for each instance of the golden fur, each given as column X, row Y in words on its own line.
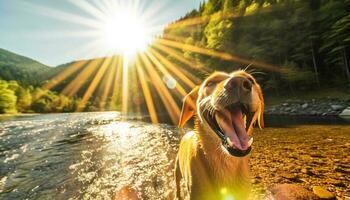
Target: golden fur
column 209, row 172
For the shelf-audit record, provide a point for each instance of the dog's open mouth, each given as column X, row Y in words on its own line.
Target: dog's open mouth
column 231, row 125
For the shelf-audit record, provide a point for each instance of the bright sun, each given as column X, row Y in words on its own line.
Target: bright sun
column 125, row 32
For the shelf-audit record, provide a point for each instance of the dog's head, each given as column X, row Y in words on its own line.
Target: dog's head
column 228, row 105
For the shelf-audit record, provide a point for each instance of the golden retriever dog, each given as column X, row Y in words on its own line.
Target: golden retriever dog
column 213, row 158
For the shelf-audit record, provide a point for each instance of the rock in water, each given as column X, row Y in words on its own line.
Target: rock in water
column 346, row 112
column 291, row 192
column 337, row 107
column 305, row 105
column 322, row 193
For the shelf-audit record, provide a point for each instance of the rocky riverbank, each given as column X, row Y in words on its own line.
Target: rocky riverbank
column 313, row 107
column 313, row 157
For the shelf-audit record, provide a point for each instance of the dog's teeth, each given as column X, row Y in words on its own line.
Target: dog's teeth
column 229, row 141
column 250, row 142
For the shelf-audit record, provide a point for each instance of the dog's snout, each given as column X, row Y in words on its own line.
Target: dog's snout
column 239, row 83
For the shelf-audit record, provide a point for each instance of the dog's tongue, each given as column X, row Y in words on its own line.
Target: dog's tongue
column 232, row 124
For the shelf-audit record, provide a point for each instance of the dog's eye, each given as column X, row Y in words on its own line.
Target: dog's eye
column 211, row 84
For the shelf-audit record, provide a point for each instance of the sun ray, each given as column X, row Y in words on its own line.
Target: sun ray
column 108, row 83
column 94, row 84
column 60, row 15
column 149, row 14
column 168, row 101
column 166, row 73
column 84, row 5
column 173, row 68
column 177, row 55
column 73, row 87
column 92, row 49
column 116, row 84
column 201, row 68
column 146, row 92
column 117, row 76
column 134, row 89
column 64, row 75
column 62, row 34
column 125, row 83
column 217, row 54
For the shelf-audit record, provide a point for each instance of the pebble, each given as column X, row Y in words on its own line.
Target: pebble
column 305, row 105
column 346, row 112
column 291, row 177
column 322, row 193
column 337, row 183
column 290, row 192
column 337, row 107
column 319, row 158
column 320, row 107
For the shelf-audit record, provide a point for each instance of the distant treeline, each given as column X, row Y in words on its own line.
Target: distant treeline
column 16, row 98
column 308, row 41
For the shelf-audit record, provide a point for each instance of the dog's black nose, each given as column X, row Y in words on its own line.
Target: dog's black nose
column 239, row 83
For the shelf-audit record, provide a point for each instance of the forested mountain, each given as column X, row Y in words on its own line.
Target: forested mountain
column 307, row 41
column 21, row 68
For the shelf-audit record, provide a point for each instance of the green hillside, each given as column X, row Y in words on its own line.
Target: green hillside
column 21, row 68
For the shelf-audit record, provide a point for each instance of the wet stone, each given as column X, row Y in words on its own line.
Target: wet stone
column 291, row 192
column 291, row 177
column 322, row 193
column 305, row 105
column 337, row 107
column 342, row 170
column 337, row 183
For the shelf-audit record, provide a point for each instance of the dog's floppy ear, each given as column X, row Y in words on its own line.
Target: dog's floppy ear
column 188, row 106
column 261, row 110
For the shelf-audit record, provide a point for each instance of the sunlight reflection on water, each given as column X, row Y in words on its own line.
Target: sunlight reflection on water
column 85, row 155
column 94, row 155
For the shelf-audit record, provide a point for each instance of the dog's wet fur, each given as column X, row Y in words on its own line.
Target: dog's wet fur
column 231, row 103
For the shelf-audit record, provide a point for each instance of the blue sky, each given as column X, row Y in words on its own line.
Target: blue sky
column 47, row 31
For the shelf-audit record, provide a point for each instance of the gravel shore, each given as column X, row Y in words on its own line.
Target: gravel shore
column 313, row 107
column 309, row 156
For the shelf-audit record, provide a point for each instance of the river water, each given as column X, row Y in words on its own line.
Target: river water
column 94, row 155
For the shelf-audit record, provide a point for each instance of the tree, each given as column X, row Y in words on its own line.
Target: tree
column 212, row 6
column 24, row 99
column 338, row 43
column 7, row 98
column 306, row 41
